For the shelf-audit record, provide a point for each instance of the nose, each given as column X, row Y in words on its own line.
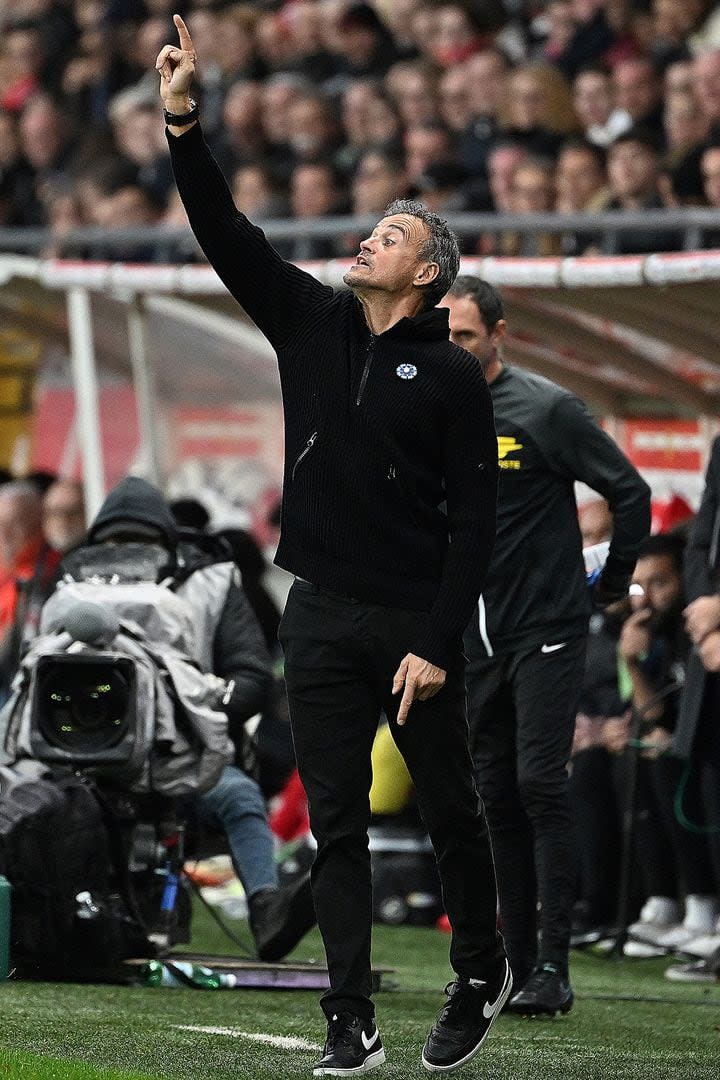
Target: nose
column 365, row 245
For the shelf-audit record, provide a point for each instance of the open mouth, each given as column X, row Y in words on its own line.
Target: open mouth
column 360, row 261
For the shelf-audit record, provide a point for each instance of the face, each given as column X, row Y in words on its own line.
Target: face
column 706, row 84
column 678, row 76
column 533, row 190
column 502, row 164
column 312, row 192
column 19, row 526
column 579, row 177
column 592, row 98
column 311, row 127
column 390, row 259
column 710, row 167
column 637, row 87
column 485, row 75
column 527, row 101
column 660, row 582
column 250, row 189
column 595, row 522
column 424, row 147
column 454, row 100
column 63, row 516
column 468, row 330
column 685, row 124
column 375, row 184
column 41, row 130
column 632, row 170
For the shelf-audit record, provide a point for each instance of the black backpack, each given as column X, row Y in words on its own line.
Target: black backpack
column 68, row 919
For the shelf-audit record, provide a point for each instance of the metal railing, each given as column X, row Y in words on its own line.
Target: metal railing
column 687, row 229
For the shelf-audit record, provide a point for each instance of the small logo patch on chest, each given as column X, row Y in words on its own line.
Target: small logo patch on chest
column 406, row 371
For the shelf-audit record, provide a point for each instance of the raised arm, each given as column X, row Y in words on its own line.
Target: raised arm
column 277, row 296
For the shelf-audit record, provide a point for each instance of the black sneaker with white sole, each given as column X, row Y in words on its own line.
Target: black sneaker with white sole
column 353, row 1045
column 464, row 1024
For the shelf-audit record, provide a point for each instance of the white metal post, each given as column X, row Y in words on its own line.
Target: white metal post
column 145, row 392
column 87, row 400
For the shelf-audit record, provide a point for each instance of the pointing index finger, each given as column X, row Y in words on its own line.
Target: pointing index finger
column 184, row 34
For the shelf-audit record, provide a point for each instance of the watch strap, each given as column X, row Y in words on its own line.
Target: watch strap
column 182, row 119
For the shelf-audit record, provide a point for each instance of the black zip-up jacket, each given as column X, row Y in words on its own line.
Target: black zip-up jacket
column 536, row 591
column 379, row 430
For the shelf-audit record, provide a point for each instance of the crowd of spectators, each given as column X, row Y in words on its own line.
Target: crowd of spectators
column 325, row 107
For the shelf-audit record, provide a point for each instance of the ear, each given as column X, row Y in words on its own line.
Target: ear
column 499, row 332
column 426, row 273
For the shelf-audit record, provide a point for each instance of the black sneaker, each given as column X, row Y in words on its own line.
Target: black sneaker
column 352, row 1046
column 546, row 992
column 463, row 1025
column 279, row 918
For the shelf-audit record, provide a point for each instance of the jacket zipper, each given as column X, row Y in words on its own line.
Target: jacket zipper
column 366, row 370
column 308, row 447
column 482, row 625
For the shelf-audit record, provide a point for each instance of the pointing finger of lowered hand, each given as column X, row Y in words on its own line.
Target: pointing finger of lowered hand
column 407, row 700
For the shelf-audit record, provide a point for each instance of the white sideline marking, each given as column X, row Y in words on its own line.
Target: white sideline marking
column 283, row 1042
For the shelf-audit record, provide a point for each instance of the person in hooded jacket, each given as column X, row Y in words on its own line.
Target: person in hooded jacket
column 230, row 646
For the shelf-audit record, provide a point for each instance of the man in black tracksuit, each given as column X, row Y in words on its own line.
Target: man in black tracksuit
column 526, row 641
column 385, row 421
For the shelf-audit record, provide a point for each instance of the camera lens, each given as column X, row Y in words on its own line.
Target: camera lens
column 83, row 708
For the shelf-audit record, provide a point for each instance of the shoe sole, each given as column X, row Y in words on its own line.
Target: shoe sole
column 370, row 1062
column 500, row 1004
column 565, row 1008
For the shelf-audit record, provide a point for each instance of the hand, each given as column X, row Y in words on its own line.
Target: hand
column 661, row 740
column 421, row 679
column 615, row 734
column 709, row 650
column 177, row 69
column 635, row 636
column 702, row 616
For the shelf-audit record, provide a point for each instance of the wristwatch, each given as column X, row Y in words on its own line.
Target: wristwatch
column 182, row 119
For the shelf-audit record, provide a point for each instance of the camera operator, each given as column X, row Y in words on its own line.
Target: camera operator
column 653, row 650
column 234, row 650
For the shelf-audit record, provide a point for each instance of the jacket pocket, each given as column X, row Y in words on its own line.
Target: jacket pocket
column 304, row 453
column 401, row 492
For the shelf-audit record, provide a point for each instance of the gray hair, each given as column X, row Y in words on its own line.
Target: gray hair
column 441, row 247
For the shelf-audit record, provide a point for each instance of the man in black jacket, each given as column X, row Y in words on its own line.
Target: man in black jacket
column 385, row 420
column 231, row 647
column 526, row 642
column 697, row 735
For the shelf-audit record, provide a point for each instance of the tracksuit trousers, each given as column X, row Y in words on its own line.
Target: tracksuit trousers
column 341, row 656
column 522, row 717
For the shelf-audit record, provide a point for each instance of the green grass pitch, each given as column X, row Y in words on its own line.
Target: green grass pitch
column 628, row 1023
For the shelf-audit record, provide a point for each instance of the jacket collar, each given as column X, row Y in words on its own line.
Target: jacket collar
column 429, row 325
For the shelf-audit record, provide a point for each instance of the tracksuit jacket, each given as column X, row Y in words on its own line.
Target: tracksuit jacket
column 536, row 591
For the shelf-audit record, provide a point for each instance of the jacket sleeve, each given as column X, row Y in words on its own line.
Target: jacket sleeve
column 276, row 295
column 241, row 656
column 471, row 477
column 575, row 444
column 700, row 578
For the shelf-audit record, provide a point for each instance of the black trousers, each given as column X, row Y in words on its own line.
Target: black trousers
column 340, row 659
column 522, row 718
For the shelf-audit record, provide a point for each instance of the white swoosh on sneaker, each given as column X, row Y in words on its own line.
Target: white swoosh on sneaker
column 367, row 1043
column 490, row 1010
column 553, row 648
